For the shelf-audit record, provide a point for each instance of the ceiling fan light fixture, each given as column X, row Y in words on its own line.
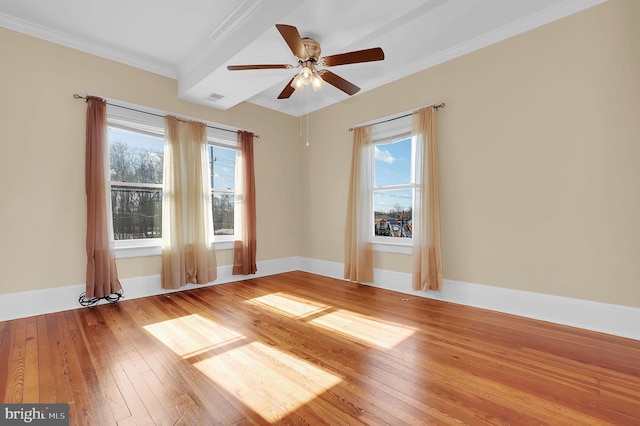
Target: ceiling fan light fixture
column 298, row 83
column 316, row 82
column 306, row 74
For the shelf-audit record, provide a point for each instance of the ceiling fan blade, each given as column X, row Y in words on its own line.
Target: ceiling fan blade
column 366, row 55
column 258, row 67
column 339, row 82
column 287, row 91
column 291, row 35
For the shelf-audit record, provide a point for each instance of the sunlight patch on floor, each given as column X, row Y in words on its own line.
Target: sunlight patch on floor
column 247, row 372
column 192, row 334
column 296, row 307
column 368, row 330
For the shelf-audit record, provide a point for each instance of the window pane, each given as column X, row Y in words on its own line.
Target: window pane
column 393, row 163
column 135, row 157
column 393, row 213
column 223, row 211
column 222, row 163
column 137, row 212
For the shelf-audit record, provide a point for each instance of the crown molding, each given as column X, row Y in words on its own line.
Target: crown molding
column 243, row 11
column 553, row 13
column 77, row 43
column 252, row 15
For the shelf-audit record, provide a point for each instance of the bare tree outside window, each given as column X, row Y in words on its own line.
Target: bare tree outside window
column 136, row 167
column 136, row 161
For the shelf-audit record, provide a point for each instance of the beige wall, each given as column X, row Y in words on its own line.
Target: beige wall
column 539, row 152
column 42, row 210
column 539, row 160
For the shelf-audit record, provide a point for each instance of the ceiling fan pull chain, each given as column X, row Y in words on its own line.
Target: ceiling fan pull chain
column 307, row 114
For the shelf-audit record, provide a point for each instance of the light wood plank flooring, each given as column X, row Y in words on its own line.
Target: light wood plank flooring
column 301, row 349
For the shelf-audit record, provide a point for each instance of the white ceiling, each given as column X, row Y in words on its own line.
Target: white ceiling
column 194, row 40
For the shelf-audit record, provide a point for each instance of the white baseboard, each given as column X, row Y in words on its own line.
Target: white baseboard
column 618, row 320
column 595, row 316
column 37, row 302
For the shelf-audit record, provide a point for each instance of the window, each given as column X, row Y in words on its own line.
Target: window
column 135, row 167
column 222, row 164
column 136, row 155
column 393, row 185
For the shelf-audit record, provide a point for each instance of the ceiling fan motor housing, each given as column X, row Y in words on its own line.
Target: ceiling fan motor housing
column 313, row 49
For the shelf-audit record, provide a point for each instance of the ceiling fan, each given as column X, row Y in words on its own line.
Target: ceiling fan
column 308, row 51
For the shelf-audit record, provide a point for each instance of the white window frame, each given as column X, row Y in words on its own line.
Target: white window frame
column 145, row 120
column 140, row 122
column 223, row 242
column 393, row 130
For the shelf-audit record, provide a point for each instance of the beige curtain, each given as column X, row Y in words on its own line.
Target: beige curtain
column 358, row 251
column 427, row 258
column 244, row 248
column 102, row 274
column 188, row 253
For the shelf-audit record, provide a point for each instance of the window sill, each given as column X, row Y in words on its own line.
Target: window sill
column 392, row 248
column 129, row 250
column 224, row 245
column 137, row 251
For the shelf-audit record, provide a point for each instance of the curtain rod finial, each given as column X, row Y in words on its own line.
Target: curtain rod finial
column 76, row 96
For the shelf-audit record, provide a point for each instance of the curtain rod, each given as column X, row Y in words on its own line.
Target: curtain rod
column 401, row 116
column 76, row 96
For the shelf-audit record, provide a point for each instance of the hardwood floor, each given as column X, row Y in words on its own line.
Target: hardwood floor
column 302, row 349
